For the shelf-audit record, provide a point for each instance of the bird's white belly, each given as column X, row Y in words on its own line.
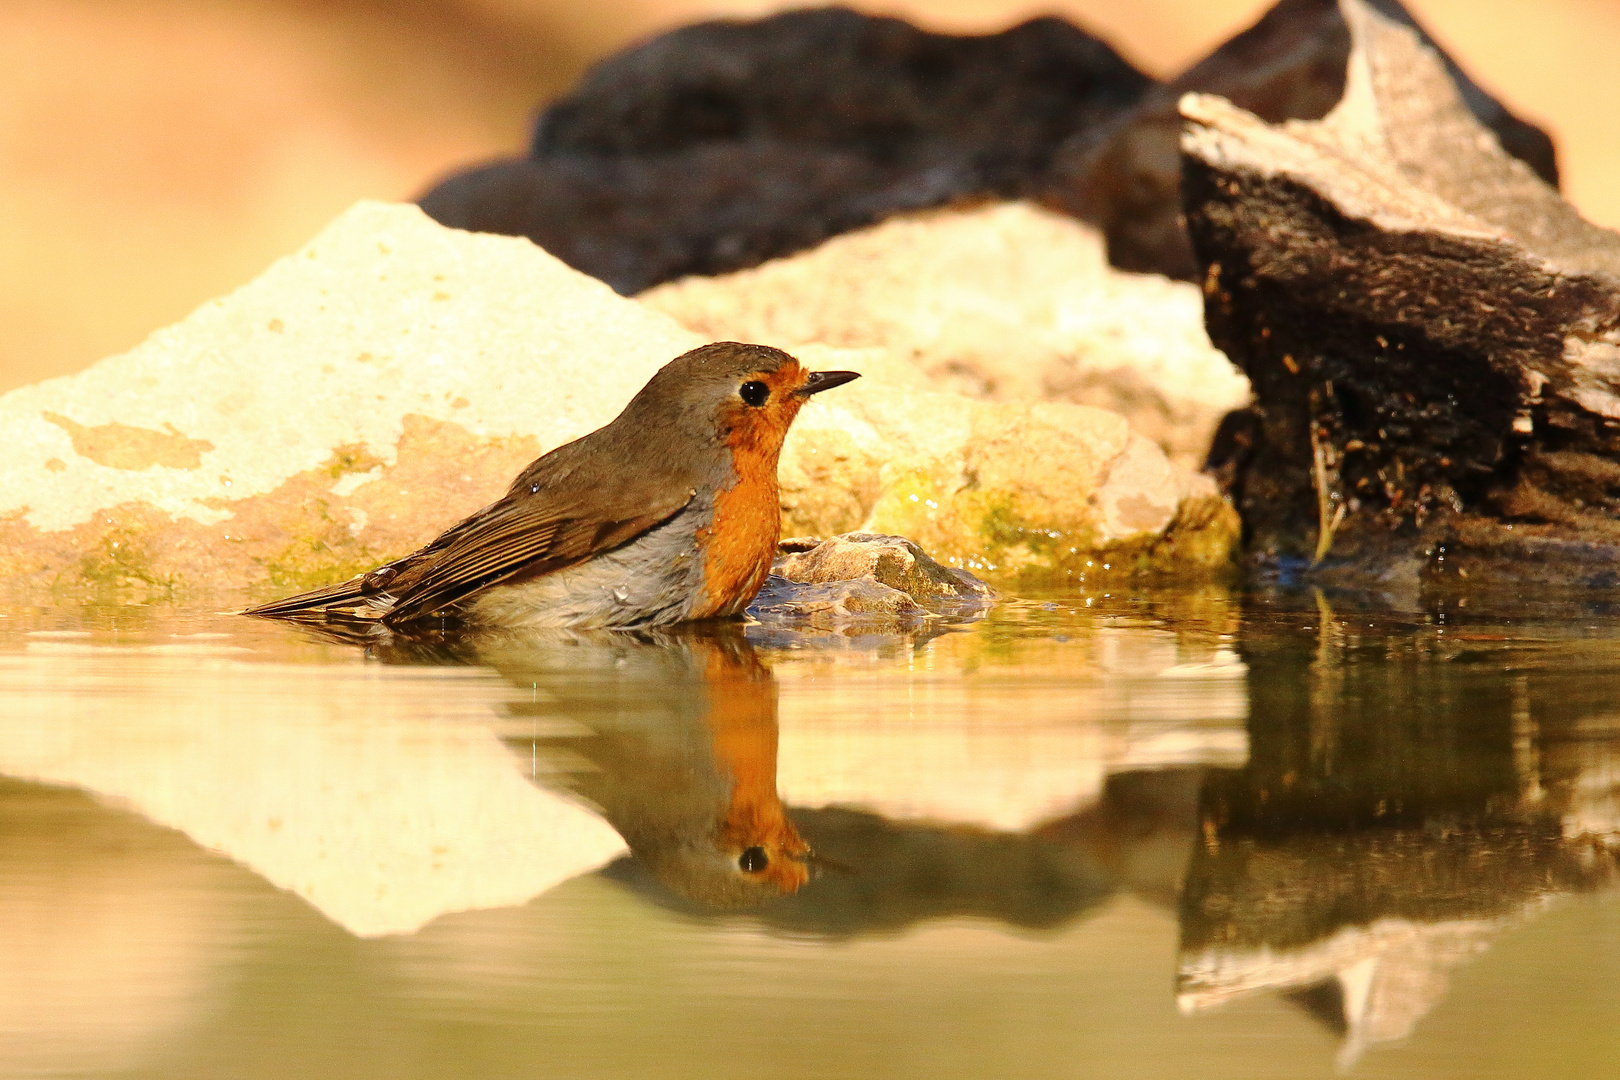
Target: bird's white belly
column 654, row 580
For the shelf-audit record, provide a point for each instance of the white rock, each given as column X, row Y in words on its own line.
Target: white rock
column 370, row 390
column 1006, row 302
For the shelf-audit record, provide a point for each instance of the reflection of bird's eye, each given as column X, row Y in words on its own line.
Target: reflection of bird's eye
column 754, row 860
column 754, row 393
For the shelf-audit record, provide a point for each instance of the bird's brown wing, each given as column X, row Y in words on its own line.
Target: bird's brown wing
column 342, row 595
column 513, row 539
column 567, row 506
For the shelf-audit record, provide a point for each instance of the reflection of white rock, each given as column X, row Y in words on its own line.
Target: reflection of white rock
column 110, row 938
column 384, row 796
column 358, row 787
column 1390, row 973
column 1005, row 747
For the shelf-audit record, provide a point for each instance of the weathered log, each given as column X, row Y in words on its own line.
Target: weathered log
column 1432, row 333
column 1290, row 65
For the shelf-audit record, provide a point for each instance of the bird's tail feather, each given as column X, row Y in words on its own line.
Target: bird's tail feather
column 350, row 597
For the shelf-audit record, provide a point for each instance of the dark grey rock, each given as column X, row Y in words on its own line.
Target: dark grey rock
column 720, row 145
column 1433, row 335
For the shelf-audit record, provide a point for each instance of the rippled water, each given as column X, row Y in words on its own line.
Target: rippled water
column 1192, row 834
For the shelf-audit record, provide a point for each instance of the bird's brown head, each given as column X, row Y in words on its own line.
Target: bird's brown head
column 742, row 396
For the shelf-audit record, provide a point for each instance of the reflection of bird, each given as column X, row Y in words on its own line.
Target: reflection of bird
column 671, row 735
column 666, row 514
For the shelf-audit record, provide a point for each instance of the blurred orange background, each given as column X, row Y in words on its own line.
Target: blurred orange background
column 155, row 153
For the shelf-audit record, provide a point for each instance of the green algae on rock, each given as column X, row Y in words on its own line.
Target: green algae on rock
column 1054, row 493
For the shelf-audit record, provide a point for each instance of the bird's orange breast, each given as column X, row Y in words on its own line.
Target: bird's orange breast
column 740, row 542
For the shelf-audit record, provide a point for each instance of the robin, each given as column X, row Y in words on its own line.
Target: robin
column 667, row 514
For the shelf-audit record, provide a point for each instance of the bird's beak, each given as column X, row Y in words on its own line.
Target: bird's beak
column 817, row 381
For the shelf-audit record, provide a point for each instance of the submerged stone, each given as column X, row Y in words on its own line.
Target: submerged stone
column 835, row 605
column 1430, row 330
column 369, row 391
column 868, row 579
column 892, row 561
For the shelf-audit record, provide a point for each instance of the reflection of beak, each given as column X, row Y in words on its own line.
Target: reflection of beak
column 819, row 866
column 786, row 873
column 817, row 381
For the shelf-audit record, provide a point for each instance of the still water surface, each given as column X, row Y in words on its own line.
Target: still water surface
column 1189, row 834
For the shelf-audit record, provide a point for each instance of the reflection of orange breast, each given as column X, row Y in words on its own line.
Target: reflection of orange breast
column 742, row 721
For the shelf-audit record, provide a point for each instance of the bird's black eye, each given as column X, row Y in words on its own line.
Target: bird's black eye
column 754, row 859
column 754, row 393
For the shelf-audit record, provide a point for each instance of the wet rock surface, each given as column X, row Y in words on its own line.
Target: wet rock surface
column 1006, row 302
column 1290, row 64
column 892, row 561
column 868, row 579
column 720, row 145
column 1430, row 330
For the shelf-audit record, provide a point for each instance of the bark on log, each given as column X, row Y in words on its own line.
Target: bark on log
column 1289, row 65
column 1432, row 333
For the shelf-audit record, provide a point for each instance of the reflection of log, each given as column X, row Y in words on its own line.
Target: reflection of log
column 1405, row 800
column 1377, row 915
column 1285, row 894
column 1433, row 335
